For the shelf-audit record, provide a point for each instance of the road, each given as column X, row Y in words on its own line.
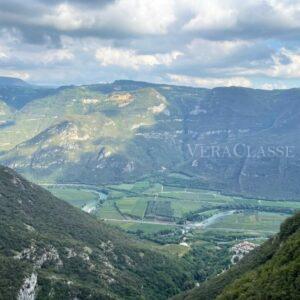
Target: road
column 165, row 223
column 210, row 220
column 199, row 225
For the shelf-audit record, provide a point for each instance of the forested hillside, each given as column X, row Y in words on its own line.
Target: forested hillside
column 54, row 251
column 272, row 271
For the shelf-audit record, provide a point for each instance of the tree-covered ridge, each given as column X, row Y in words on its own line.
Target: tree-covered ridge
column 71, row 253
column 271, row 271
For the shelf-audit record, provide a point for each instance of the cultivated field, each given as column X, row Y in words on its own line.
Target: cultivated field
column 148, row 206
column 76, row 196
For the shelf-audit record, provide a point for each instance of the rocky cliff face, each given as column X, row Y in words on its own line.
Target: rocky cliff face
column 28, row 289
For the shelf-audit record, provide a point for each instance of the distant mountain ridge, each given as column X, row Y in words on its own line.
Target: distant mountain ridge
column 11, row 81
column 126, row 130
column 16, row 92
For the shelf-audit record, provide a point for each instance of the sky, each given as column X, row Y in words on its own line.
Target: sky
column 250, row 43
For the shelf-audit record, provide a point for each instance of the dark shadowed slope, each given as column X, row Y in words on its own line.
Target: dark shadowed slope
column 55, row 251
column 16, row 92
column 11, row 81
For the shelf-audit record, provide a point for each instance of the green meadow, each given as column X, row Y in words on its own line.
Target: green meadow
column 75, row 196
column 149, row 206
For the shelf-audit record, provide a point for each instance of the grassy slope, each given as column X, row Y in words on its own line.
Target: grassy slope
column 107, row 264
column 269, row 272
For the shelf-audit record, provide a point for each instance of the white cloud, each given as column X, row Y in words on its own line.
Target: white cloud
column 66, row 17
column 213, row 52
column 247, row 17
column 41, row 57
column 3, row 52
column 209, row 82
column 273, row 86
column 18, row 74
column 287, row 12
column 226, row 47
column 56, row 55
column 124, row 16
column 215, row 42
column 212, row 15
column 128, row 58
column 286, row 64
column 3, row 55
column 283, row 64
column 139, row 16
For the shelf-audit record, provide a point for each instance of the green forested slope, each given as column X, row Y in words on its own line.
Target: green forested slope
column 272, row 271
column 72, row 254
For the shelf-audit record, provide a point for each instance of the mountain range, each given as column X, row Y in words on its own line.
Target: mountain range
column 126, row 130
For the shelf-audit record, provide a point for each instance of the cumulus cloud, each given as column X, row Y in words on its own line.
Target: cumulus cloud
column 209, row 82
column 213, row 53
column 273, row 86
column 237, row 19
column 119, row 18
column 214, row 19
column 140, row 17
column 283, row 63
column 3, row 53
column 286, row 64
column 53, row 56
column 128, row 58
column 203, row 43
column 65, row 17
column 17, row 74
column 212, row 15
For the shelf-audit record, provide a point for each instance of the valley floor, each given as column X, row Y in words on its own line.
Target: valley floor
column 176, row 214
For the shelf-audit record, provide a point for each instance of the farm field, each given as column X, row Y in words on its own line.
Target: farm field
column 145, row 227
column 152, row 201
column 76, row 196
column 251, row 221
column 135, row 206
column 185, row 223
column 145, row 205
column 108, row 211
column 160, row 209
column 255, row 202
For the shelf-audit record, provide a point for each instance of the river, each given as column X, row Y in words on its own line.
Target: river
column 209, row 221
column 92, row 206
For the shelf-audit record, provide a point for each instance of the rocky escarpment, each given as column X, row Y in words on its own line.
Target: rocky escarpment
column 28, row 289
